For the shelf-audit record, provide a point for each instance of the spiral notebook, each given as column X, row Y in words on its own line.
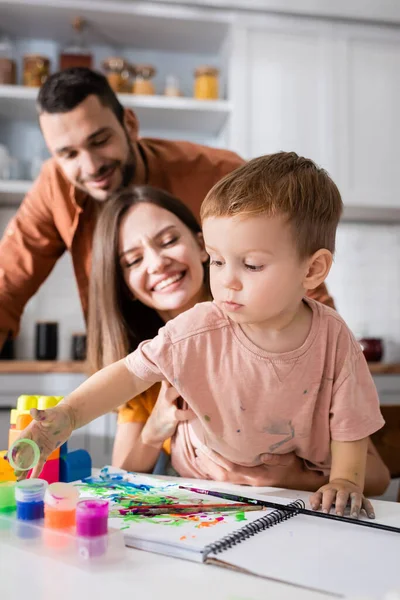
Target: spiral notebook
column 320, row 555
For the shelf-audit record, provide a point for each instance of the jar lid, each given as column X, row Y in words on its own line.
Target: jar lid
column 30, row 490
column 144, row 70
column 61, row 496
column 206, row 70
column 115, row 63
column 36, row 57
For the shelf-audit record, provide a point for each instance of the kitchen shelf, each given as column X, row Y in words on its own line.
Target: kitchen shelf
column 137, row 24
column 378, row 368
column 155, row 113
column 10, row 367
column 75, row 366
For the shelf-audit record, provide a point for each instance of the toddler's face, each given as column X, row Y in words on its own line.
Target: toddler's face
column 255, row 272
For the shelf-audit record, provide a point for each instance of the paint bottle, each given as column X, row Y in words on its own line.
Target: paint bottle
column 7, row 496
column 60, row 501
column 29, row 497
column 92, row 527
column 7, row 507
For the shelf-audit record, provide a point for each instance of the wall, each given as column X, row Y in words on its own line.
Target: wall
column 56, row 300
column 365, row 282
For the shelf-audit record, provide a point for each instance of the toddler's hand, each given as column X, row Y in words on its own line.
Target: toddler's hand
column 49, row 429
column 339, row 492
column 165, row 416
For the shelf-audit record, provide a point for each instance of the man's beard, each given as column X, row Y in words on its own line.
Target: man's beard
column 129, row 168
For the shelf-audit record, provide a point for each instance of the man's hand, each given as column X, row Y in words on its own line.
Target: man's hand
column 340, row 492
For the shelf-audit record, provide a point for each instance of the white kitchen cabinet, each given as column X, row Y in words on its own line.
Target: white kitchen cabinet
column 329, row 91
column 287, row 94
column 368, row 118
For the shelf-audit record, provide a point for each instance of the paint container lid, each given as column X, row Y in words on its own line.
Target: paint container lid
column 30, row 490
column 92, row 517
column 23, row 454
column 7, row 496
column 61, row 496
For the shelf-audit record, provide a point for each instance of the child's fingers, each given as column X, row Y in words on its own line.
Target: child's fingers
column 328, row 498
column 45, row 417
column 315, row 500
column 355, row 504
column 367, row 506
column 342, row 497
column 39, row 467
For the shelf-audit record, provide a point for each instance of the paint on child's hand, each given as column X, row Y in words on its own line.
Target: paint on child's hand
column 305, row 391
column 38, row 414
column 207, row 418
column 57, row 432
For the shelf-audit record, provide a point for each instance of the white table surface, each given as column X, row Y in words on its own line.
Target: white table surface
column 147, row 575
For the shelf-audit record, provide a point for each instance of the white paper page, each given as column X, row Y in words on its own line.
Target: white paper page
column 180, row 535
column 327, row 555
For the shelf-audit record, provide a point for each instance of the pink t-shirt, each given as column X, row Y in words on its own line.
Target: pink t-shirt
column 250, row 403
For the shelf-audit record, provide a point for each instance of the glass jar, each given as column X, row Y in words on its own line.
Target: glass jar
column 76, row 54
column 118, row 72
column 372, row 348
column 142, row 83
column 8, row 71
column 206, row 84
column 172, row 86
column 36, row 69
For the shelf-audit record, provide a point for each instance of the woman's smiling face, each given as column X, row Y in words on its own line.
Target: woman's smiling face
column 161, row 260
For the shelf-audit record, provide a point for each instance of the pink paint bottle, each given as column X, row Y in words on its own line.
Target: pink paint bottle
column 92, row 527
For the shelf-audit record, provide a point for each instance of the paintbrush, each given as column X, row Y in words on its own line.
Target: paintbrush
column 291, row 509
column 186, row 509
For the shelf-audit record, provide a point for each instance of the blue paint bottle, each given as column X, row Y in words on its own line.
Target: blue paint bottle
column 29, row 497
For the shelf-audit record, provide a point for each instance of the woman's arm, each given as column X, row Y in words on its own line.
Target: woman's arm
column 130, row 452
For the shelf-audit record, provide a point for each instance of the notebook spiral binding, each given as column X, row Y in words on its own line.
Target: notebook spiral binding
column 247, row 531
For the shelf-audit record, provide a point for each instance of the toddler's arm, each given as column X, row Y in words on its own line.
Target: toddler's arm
column 346, row 481
column 105, row 390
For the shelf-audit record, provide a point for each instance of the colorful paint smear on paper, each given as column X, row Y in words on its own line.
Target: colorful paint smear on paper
column 126, row 490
